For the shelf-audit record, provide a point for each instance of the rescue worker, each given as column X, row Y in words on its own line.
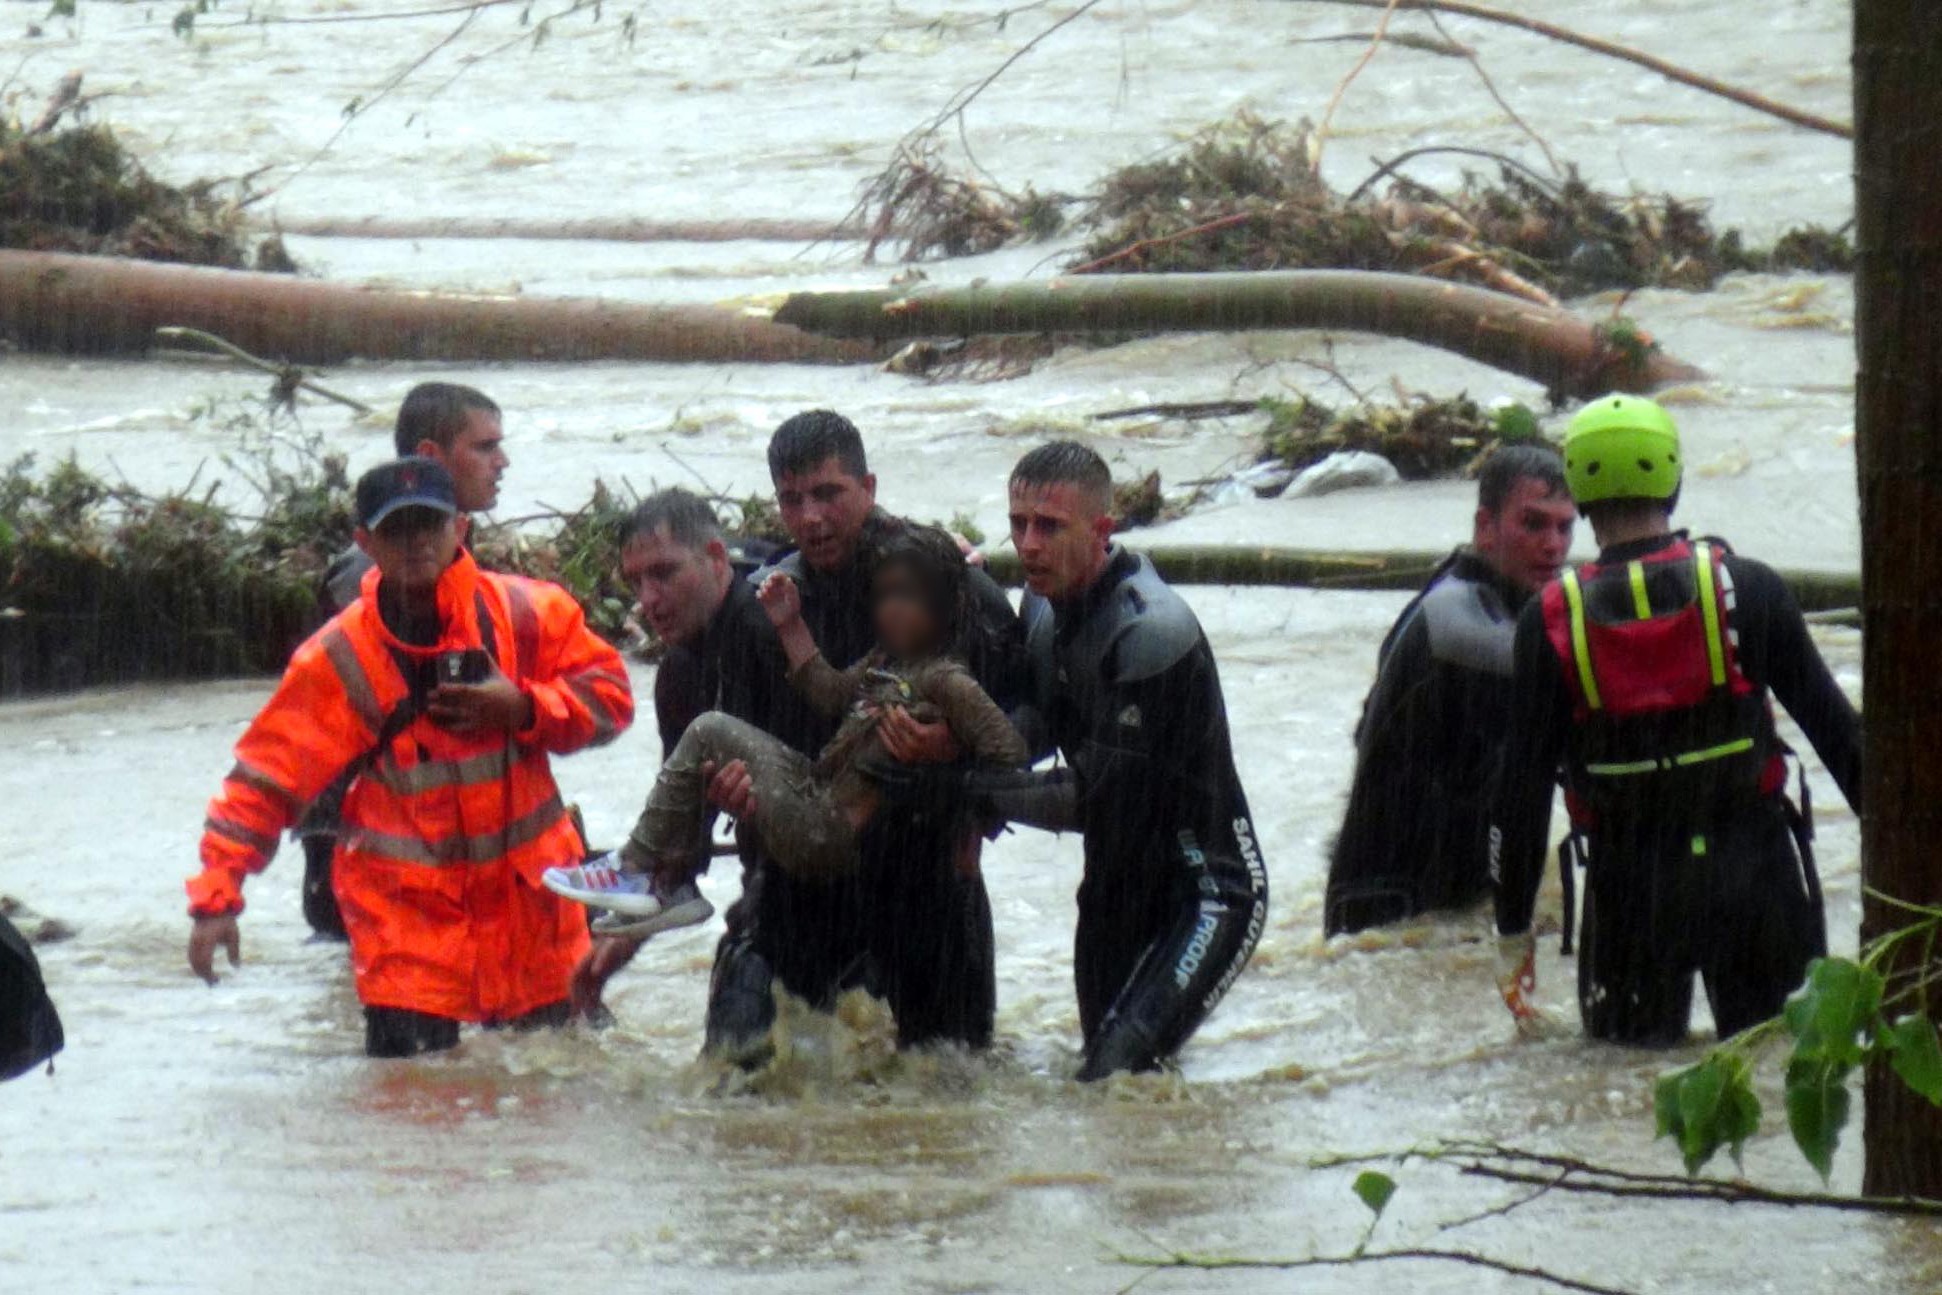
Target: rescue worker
column 442, row 691
column 1175, row 893
column 722, row 652
column 913, row 925
column 1430, row 747
column 1649, row 674
column 461, row 429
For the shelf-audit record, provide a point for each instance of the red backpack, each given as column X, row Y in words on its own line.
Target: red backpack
column 1665, row 721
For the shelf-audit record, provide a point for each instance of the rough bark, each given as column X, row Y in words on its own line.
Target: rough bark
column 1898, row 398
column 102, row 305
column 1554, row 347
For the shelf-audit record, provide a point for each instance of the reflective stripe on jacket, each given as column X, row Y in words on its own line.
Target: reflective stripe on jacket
column 441, row 824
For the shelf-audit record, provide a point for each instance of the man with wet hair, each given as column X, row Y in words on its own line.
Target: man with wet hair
column 460, row 429
column 722, row 651
column 1430, row 748
column 914, row 924
column 1175, row 893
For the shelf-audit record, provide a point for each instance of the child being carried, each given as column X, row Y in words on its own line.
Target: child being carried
column 808, row 814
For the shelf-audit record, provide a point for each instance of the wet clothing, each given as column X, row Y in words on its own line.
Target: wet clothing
column 913, row 923
column 445, row 834
column 1429, row 754
column 1648, row 675
column 30, row 1028
column 342, row 582
column 1175, row 893
column 807, row 811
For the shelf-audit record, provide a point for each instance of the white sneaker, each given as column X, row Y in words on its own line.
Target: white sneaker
column 683, row 906
column 601, row 883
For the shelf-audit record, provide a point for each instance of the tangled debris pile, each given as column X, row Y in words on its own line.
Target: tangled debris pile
column 75, row 187
column 933, row 211
column 1422, row 437
column 1244, row 195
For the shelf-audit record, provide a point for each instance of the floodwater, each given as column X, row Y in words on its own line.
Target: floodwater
column 234, row 1139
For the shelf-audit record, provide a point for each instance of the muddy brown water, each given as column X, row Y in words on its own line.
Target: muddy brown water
column 234, row 1140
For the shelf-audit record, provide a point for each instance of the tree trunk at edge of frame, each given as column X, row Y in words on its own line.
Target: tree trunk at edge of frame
column 1898, row 399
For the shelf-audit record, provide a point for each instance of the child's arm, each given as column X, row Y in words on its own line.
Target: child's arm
column 984, row 732
column 822, row 685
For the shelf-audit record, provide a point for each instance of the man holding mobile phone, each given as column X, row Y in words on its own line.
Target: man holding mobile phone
column 440, row 695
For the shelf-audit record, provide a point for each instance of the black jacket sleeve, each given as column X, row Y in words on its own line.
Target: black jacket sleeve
column 1777, row 650
column 1539, row 732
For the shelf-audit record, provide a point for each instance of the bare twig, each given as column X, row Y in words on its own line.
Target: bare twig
column 1706, row 1189
column 1342, row 86
column 1389, row 167
column 1671, row 71
column 1206, row 1263
column 1134, row 249
column 305, row 20
column 1490, row 88
column 359, row 106
column 288, row 376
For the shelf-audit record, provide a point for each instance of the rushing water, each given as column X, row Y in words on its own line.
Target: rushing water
column 233, row 1139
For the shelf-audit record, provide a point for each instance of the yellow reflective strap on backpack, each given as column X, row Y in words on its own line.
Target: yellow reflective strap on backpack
column 1709, row 608
column 1641, row 601
column 1625, row 769
column 1724, row 750
column 1574, row 597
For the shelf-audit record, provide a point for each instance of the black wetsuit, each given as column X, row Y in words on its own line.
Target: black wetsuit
column 1175, row 893
column 1741, row 911
column 1429, row 753
column 913, row 925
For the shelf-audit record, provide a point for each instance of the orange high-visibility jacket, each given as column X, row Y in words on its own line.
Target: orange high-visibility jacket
column 445, row 835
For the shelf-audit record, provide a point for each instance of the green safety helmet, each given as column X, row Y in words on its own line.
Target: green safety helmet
column 1621, row 447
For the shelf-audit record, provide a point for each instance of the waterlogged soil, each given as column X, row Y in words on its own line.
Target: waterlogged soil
column 234, row 1139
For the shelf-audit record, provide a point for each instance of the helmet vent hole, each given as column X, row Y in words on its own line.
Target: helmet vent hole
column 1645, row 465
column 1591, row 470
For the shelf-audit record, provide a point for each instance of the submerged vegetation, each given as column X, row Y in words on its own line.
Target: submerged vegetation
column 68, row 186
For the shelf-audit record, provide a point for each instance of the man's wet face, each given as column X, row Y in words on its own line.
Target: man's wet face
column 679, row 588
column 476, row 459
column 1528, row 539
column 824, row 509
column 413, row 546
column 1060, row 532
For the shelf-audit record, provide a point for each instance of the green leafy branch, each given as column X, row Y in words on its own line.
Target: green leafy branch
column 1845, row 1017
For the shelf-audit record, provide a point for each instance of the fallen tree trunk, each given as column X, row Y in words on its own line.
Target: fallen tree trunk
column 591, row 231
column 103, row 305
column 1546, row 345
column 1219, row 564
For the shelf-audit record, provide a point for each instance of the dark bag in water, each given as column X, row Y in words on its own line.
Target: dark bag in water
column 30, row 1028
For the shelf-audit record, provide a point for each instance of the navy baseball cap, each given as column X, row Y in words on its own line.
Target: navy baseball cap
column 406, row 483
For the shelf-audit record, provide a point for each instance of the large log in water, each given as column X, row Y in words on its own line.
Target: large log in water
column 1555, row 347
column 102, row 305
